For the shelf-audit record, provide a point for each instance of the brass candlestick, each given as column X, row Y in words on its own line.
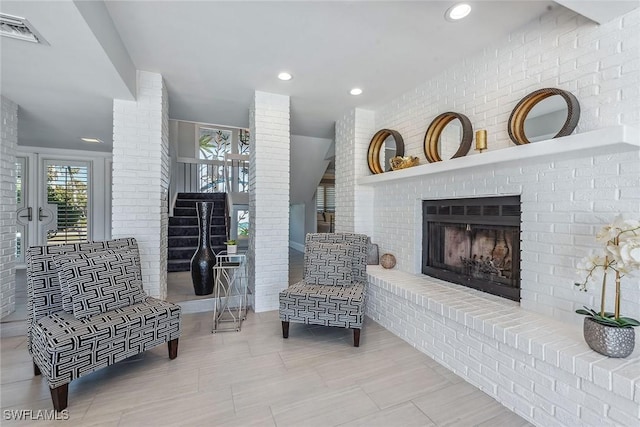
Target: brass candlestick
column 481, row 140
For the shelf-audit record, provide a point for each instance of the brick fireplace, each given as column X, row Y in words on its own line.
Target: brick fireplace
column 530, row 356
column 474, row 242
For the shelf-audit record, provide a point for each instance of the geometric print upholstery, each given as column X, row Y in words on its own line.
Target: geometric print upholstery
column 44, row 295
column 101, row 282
column 358, row 244
column 60, row 259
column 66, row 348
column 328, row 264
column 341, row 306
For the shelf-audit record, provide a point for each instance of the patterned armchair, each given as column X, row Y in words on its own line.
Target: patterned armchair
column 99, row 316
column 332, row 291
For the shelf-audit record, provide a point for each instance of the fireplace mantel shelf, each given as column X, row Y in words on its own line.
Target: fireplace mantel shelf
column 611, row 139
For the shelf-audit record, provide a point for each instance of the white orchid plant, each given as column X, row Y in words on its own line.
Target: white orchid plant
column 621, row 256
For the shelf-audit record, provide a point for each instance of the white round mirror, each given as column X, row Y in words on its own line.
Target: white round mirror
column 387, row 152
column 546, row 118
column 450, row 138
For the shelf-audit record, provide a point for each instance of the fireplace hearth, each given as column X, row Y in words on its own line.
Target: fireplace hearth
column 474, row 242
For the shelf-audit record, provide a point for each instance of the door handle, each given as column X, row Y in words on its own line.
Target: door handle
column 41, row 215
column 29, row 214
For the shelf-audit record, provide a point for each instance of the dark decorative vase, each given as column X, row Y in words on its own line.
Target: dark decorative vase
column 204, row 259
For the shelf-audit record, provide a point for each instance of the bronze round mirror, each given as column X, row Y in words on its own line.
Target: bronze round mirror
column 544, row 114
column 448, row 129
column 385, row 145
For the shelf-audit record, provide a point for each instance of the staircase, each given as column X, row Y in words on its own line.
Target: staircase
column 183, row 228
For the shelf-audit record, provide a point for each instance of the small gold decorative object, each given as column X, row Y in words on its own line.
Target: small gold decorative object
column 481, row 140
column 388, row 261
column 399, row 162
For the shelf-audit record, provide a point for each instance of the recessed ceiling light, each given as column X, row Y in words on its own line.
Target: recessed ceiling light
column 92, row 140
column 457, row 11
column 355, row 91
column 285, row 76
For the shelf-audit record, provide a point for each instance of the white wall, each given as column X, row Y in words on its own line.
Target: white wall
column 297, row 229
column 308, row 165
column 269, row 199
column 311, row 217
column 354, row 203
column 600, row 65
column 8, row 143
column 141, row 177
column 597, row 63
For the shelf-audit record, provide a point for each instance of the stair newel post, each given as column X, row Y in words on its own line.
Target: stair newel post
column 203, row 259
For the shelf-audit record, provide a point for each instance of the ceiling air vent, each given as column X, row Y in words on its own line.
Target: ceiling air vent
column 19, row 28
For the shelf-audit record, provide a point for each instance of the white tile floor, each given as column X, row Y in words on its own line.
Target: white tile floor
column 256, row 378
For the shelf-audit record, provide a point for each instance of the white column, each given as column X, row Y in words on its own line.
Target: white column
column 8, row 143
column 354, row 203
column 269, row 199
column 141, row 177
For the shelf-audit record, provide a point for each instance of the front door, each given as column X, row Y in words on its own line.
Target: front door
column 53, row 202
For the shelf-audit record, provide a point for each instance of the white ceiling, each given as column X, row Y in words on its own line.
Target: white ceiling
column 213, row 55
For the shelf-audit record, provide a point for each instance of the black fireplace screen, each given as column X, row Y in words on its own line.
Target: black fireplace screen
column 474, row 242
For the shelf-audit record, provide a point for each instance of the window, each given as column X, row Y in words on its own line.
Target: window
column 213, row 145
column 326, row 198
column 67, row 187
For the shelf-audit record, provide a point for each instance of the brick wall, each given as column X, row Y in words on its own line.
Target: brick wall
column 543, row 371
column 565, row 200
column 354, row 203
column 345, row 184
column 269, row 199
column 141, row 177
column 599, row 64
column 8, row 143
column 536, row 366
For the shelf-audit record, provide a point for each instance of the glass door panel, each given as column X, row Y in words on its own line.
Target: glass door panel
column 64, row 213
column 24, row 212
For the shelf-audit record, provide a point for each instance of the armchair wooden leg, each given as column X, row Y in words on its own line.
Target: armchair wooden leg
column 356, row 337
column 59, row 397
column 36, row 369
column 285, row 329
column 173, row 348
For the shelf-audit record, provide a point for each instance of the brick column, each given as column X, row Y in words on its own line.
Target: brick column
column 269, row 199
column 354, row 203
column 8, row 143
column 141, row 177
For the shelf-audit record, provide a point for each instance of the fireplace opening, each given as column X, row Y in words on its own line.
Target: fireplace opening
column 474, row 242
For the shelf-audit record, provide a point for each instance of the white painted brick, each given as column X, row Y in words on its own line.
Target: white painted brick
column 552, row 380
column 8, row 144
column 269, row 199
column 140, row 171
column 565, row 202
